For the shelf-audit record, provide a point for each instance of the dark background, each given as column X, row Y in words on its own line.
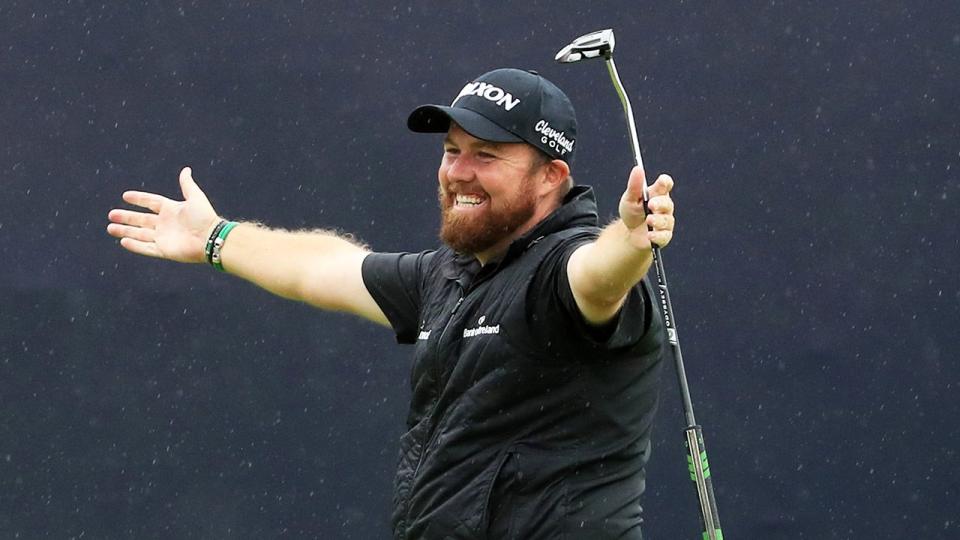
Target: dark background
column 815, row 150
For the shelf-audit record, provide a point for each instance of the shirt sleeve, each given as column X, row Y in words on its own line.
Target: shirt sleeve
column 395, row 281
column 627, row 329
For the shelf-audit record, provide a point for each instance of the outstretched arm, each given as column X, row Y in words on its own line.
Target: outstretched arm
column 318, row 267
column 602, row 272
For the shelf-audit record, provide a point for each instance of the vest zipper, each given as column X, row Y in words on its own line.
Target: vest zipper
column 438, row 372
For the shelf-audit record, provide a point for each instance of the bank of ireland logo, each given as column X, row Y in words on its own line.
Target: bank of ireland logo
column 481, row 329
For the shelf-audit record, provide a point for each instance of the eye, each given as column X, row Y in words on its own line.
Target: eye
column 451, row 150
column 486, row 156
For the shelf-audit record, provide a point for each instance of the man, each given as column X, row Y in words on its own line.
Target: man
column 536, row 339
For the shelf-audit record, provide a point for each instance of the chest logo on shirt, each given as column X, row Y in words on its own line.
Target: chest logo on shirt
column 424, row 334
column 481, row 329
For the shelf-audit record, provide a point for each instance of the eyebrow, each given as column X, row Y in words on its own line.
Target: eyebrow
column 480, row 144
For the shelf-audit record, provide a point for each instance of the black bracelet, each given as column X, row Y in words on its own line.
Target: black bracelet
column 208, row 249
column 215, row 259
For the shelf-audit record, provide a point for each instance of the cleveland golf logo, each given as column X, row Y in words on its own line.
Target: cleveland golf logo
column 556, row 140
column 481, row 329
column 489, row 92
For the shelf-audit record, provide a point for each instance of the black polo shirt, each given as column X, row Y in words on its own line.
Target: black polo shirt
column 524, row 422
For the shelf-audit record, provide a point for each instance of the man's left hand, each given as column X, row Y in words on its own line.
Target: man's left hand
column 657, row 226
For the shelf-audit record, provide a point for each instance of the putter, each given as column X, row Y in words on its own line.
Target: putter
column 596, row 45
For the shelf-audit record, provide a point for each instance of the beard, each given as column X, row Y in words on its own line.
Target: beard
column 477, row 233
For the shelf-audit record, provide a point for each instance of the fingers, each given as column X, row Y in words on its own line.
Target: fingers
column 660, row 228
column 660, row 238
column 140, row 247
column 631, row 210
column 188, row 186
column 136, row 219
column 176, row 220
column 636, row 184
column 150, row 201
column 661, row 221
column 659, row 193
column 661, row 204
column 137, row 233
column 631, row 202
column 662, row 186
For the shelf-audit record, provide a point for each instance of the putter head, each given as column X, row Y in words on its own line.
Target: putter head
column 593, row 45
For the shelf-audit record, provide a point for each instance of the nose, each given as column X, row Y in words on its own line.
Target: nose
column 460, row 168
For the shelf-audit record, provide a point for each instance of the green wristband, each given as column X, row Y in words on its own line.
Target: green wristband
column 208, row 248
column 218, row 245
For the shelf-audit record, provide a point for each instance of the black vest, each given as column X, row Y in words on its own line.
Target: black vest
column 522, row 424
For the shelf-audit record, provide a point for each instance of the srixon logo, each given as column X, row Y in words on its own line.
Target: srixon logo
column 489, row 92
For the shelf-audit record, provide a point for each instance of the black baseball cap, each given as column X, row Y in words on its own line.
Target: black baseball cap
column 507, row 105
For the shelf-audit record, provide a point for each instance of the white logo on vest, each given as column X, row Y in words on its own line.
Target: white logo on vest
column 481, row 330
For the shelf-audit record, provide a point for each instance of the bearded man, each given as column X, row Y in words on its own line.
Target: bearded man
column 536, row 340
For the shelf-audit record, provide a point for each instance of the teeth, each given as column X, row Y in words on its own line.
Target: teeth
column 468, row 200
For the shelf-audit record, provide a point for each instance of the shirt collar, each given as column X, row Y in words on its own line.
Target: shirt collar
column 579, row 208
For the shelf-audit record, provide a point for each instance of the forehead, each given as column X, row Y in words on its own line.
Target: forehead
column 456, row 135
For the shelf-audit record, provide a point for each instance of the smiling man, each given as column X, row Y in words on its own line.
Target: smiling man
column 536, row 340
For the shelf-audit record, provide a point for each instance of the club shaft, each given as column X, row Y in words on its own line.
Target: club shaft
column 665, row 304
column 667, row 307
column 696, row 451
column 628, row 111
column 701, row 477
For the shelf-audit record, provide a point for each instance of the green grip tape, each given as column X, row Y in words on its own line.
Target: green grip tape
column 706, row 466
column 718, row 534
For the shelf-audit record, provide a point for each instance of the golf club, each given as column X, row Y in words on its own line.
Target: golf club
column 601, row 44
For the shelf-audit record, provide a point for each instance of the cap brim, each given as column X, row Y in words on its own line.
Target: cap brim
column 436, row 119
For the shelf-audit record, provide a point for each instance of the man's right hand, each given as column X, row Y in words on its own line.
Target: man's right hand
column 175, row 230
column 318, row 267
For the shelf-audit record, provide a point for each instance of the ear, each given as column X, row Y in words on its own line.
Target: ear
column 555, row 173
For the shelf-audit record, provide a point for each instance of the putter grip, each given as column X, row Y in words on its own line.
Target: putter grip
column 700, row 475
